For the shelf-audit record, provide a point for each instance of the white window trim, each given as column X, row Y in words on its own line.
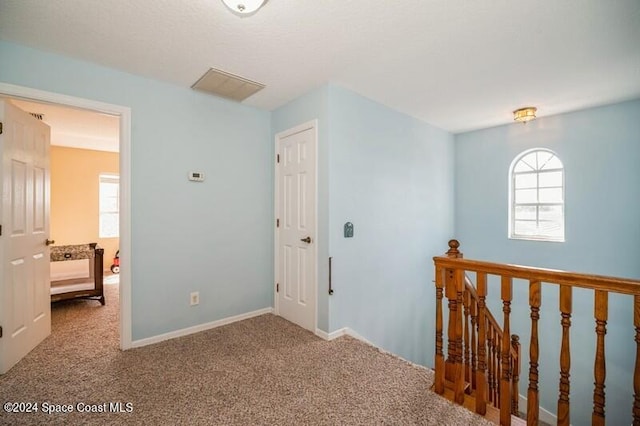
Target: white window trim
column 107, row 178
column 512, row 204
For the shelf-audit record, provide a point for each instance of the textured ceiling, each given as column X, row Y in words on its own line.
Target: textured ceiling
column 457, row 64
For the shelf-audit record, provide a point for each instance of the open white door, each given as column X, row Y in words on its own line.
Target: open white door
column 25, row 307
column 296, row 229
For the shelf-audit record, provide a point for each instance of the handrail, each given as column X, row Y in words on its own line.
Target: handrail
column 552, row 276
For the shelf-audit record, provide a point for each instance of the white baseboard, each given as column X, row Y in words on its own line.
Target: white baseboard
column 350, row 332
column 322, row 334
column 198, row 328
column 330, row 336
column 345, row 331
column 543, row 415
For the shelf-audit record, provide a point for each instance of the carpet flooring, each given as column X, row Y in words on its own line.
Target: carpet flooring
column 261, row 371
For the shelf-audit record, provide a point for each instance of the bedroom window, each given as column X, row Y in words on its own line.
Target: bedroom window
column 109, row 206
column 536, row 196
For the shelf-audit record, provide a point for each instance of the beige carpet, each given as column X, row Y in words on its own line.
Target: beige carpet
column 262, row 371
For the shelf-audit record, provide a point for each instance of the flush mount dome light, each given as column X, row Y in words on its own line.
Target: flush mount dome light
column 244, row 7
column 525, row 114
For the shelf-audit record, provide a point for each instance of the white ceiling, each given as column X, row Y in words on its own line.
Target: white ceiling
column 457, row 64
column 77, row 128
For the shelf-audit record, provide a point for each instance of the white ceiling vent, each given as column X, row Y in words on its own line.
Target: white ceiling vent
column 227, row 85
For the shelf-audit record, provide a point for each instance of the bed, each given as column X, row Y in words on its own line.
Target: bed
column 76, row 272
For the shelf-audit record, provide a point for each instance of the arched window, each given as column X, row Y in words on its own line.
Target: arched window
column 536, row 196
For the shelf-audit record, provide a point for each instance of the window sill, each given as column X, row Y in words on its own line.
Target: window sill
column 537, row 238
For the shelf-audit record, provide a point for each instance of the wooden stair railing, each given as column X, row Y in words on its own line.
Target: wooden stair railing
column 483, row 359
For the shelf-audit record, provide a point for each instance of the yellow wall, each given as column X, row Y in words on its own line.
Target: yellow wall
column 75, row 197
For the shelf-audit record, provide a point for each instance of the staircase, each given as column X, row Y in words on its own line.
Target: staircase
column 482, row 366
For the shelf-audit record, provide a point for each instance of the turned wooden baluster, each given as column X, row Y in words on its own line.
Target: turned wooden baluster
column 439, row 379
column 533, row 403
column 565, row 356
column 490, row 358
column 636, row 374
column 599, row 368
column 515, row 375
column 459, row 372
column 473, row 310
column 452, row 301
column 481, row 372
column 505, row 385
column 498, row 366
column 467, row 336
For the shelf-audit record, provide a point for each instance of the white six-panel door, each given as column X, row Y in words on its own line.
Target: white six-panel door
column 296, row 231
column 25, row 307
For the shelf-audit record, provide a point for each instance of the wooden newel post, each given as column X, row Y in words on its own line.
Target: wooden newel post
column 439, row 379
column 454, row 288
column 447, row 285
column 453, row 249
column 451, row 295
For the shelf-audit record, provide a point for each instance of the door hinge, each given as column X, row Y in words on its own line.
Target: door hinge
column 277, row 287
column 277, row 157
column 0, row 230
column 0, row 331
column 277, row 224
column 0, row 127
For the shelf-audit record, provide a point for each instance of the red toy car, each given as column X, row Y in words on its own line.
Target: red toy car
column 115, row 268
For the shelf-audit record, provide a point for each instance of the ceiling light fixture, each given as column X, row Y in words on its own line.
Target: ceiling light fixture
column 244, row 7
column 525, row 114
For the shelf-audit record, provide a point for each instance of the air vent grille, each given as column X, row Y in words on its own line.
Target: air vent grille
column 37, row 115
column 220, row 83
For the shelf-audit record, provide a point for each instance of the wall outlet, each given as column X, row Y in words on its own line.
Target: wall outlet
column 195, row 298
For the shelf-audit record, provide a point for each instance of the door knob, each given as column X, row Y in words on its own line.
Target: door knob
column 306, row 240
column 48, row 242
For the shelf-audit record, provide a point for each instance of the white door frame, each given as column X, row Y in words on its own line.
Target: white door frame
column 124, row 113
column 313, row 124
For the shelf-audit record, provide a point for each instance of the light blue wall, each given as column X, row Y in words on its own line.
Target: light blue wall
column 600, row 149
column 314, row 106
column 213, row 237
column 392, row 177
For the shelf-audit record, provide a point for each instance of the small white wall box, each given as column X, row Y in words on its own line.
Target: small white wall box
column 196, row 176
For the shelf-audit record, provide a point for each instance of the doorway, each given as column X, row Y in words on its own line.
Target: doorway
column 124, row 115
